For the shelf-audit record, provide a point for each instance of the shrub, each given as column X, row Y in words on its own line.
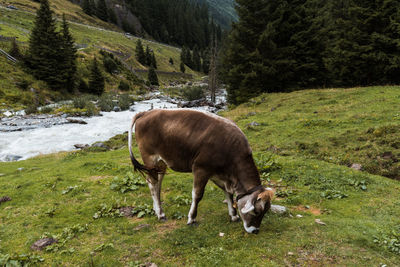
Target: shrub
column 105, row 103
column 83, row 86
column 23, row 84
column 110, row 65
column 125, row 101
column 123, row 86
column 46, row 110
column 31, row 109
column 79, row 102
column 193, row 93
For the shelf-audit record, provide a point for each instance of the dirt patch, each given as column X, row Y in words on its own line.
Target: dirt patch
column 166, row 227
column 310, row 209
column 97, row 178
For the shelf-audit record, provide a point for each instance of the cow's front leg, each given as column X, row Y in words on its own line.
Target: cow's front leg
column 155, row 190
column 232, row 210
column 199, row 183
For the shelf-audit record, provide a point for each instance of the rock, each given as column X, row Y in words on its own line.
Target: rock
column 126, row 211
column 12, row 158
column 2, row 174
column 251, row 114
column 70, row 120
column 318, row 221
column 81, row 146
column 356, row 166
column 290, row 253
column 299, row 216
column 272, row 109
column 117, row 109
column 21, row 169
column 5, row 199
column 253, row 124
column 151, row 264
column 42, row 243
column 278, row 209
column 221, row 234
column 387, row 155
column 99, row 144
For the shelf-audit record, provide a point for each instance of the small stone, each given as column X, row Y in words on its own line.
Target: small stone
column 221, row 234
column 5, row 199
column 21, row 169
column 320, row 222
column 70, row 120
column 42, row 243
column 253, row 124
column 117, row 109
column 299, row 216
column 126, row 211
column 81, row 146
column 290, row 253
column 356, row 166
column 278, row 209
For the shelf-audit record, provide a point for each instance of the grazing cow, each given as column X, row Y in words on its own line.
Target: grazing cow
column 209, row 146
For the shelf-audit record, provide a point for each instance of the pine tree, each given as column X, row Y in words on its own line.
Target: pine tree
column 196, row 59
column 112, row 16
column 148, row 56
column 67, row 64
column 153, row 60
column 152, row 77
column 96, row 79
column 171, row 61
column 101, row 10
column 86, row 7
column 140, row 55
column 182, row 67
column 43, row 55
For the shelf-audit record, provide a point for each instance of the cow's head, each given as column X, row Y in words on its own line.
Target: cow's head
column 252, row 208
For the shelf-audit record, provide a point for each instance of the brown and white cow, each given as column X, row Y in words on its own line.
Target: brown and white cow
column 209, row 146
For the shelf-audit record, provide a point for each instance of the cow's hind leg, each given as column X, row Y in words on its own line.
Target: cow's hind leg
column 199, row 183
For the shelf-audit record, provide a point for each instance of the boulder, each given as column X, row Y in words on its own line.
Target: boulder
column 42, row 243
column 356, row 166
column 278, row 209
column 12, row 158
column 71, row 120
column 101, row 145
column 117, row 109
column 81, row 146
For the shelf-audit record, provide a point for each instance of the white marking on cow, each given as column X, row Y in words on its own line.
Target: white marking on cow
column 250, row 229
column 192, row 207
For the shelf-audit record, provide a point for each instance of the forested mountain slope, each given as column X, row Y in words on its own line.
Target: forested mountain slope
column 223, row 11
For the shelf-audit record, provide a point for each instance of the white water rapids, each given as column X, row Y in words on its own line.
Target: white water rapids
column 33, row 142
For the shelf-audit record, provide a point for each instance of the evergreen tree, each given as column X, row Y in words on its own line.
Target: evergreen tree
column 182, row 67
column 86, row 7
column 171, row 61
column 101, row 10
column 112, row 16
column 67, row 64
column 43, row 55
column 153, row 60
column 196, row 59
column 148, row 56
column 140, row 55
column 206, row 61
column 152, row 77
column 96, row 79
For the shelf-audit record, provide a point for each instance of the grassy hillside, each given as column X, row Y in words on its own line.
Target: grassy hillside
column 16, row 23
column 59, row 195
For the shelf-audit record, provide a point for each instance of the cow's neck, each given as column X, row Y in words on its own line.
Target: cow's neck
column 247, row 178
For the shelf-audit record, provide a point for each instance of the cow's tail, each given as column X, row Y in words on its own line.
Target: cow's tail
column 137, row 166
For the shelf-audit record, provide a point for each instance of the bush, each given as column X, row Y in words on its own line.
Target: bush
column 83, row 86
column 23, row 84
column 125, row 101
column 1, row 93
column 46, row 110
column 79, row 102
column 124, row 86
column 110, row 65
column 31, row 109
column 193, row 93
column 105, row 103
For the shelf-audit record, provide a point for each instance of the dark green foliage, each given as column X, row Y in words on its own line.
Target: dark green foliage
column 148, row 56
column 287, row 45
column 51, row 55
column 123, row 86
column 112, row 17
column 178, row 22
column 96, row 79
column 153, row 61
column 87, row 7
column 14, row 51
column 101, row 10
column 206, row 61
column 193, row 93
column 130, row 182
column 152, row 77
column 82, row 86
column 139, row 53
column 186, row 57
column 171, row 61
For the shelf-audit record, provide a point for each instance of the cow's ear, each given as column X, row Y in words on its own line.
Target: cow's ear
column 249, row 207
column 266, row 196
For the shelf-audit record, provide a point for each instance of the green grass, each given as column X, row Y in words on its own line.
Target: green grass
column 357, row 207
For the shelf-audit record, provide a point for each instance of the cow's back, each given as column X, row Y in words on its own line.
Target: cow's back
column 183, row 137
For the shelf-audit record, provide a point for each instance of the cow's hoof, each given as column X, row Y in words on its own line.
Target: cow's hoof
column 191, row 222
column 235, row 218
column 163, row 218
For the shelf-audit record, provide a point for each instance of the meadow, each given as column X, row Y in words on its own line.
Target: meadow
column 303, row 143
